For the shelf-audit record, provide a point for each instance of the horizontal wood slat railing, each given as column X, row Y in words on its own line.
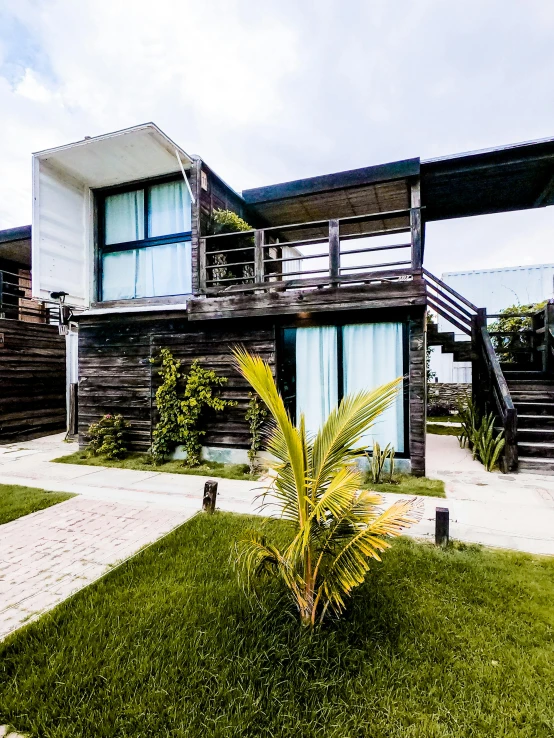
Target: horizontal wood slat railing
column 16, row 302
column 448, row 303
column 264, row 259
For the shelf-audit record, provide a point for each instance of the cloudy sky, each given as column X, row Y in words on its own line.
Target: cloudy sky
column 271, row 91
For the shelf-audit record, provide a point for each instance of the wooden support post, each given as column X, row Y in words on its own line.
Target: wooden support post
column 510, row 435
column 416, row 226
column 202, row 271
column 547, row 357
column 479, row 374
column 442, row 526
column 210, row 495
column 72, row 421
column 334, row 249
column 259, row 257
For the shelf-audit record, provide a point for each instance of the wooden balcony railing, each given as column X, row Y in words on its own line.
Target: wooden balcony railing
column 281, row 257
column 16, row 302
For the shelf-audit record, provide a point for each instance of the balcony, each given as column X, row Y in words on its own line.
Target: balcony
column 354, row 259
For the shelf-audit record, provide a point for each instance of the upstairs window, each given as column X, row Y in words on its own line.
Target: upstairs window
column 145, row 241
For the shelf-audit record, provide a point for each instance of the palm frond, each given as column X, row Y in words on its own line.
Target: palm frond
column 288, row 439
column 345, row 426
column 350, row 565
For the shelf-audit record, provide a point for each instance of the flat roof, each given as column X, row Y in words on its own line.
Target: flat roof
column 501, row 179
column 15, row 245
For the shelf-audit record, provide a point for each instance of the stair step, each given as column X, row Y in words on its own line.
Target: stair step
column 535, row 435
column 540, row 398
column 530, row 407
column 530, row 374
column 520, row 386
column 542, row 449
column 535, row 465
column 534, row 421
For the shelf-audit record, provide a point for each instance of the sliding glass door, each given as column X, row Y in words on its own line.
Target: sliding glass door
column 372, row 356
column 317, row 390
column 322, row 364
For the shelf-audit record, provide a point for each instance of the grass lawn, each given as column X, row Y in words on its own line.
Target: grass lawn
column 409, row 485
column 16, row 501
column 443, row 430
column 436, row 644
column 143, row 462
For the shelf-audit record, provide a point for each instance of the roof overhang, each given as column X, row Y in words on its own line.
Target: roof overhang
column 135, row 153
column 15, row 245
column 515, row 177
column 354, row 192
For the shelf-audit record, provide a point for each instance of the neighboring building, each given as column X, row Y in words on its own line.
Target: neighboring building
column 32, row 353
column 495, row 290
column 328, row 285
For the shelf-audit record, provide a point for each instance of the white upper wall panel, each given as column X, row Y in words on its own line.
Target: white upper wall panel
column 60, row 255
column 63, row 205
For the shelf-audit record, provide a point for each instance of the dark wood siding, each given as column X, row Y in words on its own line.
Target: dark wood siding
column 116, row 374
column 32, row 380
column 218, row 196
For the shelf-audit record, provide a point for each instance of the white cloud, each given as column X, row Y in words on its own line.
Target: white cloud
column 31, row 88
column 278, row 90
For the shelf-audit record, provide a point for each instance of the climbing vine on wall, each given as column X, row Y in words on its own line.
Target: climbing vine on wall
column 255, row 415
column 180, row 415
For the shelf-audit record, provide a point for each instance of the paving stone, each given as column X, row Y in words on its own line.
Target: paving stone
column 72, row 550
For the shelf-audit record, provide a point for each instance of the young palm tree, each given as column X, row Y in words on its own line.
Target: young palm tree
column 337, row 527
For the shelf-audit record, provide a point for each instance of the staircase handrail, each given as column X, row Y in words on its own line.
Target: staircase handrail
column 449, row 289
column 503, row 399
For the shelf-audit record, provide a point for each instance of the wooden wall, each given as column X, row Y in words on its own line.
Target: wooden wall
column 32, row 380
column 116, row 375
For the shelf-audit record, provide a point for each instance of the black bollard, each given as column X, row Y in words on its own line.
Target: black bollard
column 210, row 494
column 442, row 526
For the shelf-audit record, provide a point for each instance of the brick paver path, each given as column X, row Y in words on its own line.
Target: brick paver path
column 49, row 555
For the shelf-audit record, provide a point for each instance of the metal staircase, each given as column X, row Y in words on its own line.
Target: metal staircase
column 519, row 392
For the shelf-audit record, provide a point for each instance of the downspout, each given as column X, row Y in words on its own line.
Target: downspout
column 185, row 177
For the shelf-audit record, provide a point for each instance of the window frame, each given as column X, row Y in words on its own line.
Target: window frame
column 103, row 248
column 286, row 360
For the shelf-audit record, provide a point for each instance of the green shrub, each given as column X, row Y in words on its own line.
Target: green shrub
column 107, row 437
column 377, row 462
column 510, row 322
column 180, row 416
column 255, row 415
column 478, row 434
column 489, row 445
column 226, row 221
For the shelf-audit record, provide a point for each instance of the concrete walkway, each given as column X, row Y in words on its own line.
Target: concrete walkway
column 46, row 556
column 49, row 555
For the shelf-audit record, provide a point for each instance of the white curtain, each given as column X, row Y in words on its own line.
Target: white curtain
column 154, row 271
column 373, row 355
column 169, row 209
column 316, row 374
column 124, row 217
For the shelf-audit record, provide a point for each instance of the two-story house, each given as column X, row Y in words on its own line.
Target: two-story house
column 328, row 285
